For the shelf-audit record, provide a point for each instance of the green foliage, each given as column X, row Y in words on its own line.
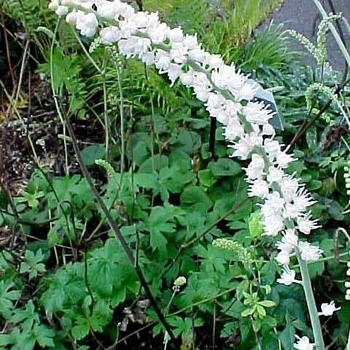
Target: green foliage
column 182, row 210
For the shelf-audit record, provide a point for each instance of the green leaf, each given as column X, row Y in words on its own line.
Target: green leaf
column 140, row 153
column 92, row 153
column 187, row 141
column 247, row 312
column 316, row 268
column 154, row 163
column 256, row 228
column 260, row 310
column 146, row 180
column 81, row 329
column 32, row 263
column 101, row 315
column 256, row 325
column 335, row 210
column 161, row 221
column 194, row 195
column 224, row 167
column 44, row 336
column 287, row 337
column 206, row 178
column 267, row 303
column 245, row 327
column 26, row 316
column 7, row 296
column 5, row 339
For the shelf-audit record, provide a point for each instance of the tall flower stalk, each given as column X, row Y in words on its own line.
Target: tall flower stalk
column 229, row 96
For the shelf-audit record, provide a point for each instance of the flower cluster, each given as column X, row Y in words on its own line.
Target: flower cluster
column 229, row 96
column 227, row 93
column 180, row 281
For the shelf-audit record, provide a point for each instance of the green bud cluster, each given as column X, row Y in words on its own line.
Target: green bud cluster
column 321, row 51
column 242, row 253
column 108, row 167
column 309, row 94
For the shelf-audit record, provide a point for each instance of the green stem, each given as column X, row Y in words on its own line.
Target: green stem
column 311, row 304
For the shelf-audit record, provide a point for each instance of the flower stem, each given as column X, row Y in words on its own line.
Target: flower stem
column 311, row 304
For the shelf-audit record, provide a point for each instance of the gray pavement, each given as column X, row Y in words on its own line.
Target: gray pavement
column 303, row 16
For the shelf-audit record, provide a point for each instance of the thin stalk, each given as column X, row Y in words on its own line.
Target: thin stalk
column 122, row 118
column 107, row 125
column 58, row 109
column 23, row 65
column 311, row 304
column 87, row 52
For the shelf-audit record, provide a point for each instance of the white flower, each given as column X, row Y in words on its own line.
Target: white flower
column 274, row 174
column 140, row 19
column 109, row 35
column 303, row 344
column 233, row 127
column 134, row 46
column 255, row 169
column 305, row 225
column 289, row 240
column 175, row 35
column 187, row 78
column 178, row 52
column 198, row 55
column 303, row 199
column 289, row 187
column 158, row 34
column 273, row 224
column 246, row 92
column 257, row 113
column 107, row 9
column 191, row 42
column 309, row 252
column 61, row 10
column 215, row 61
column 244, row 147
column 87, row 24
column 283, row 258
column 53, row 5
column 201, row 86
column 174, row 72
column 273, row 205
column 162, row 61
column 72, row 17
column 258, row 188
column 180, row 281
column 328, row 309
column 283, row 159
column 287, row 277
column 272, row 148
column 148, row 58
column 268, row 130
